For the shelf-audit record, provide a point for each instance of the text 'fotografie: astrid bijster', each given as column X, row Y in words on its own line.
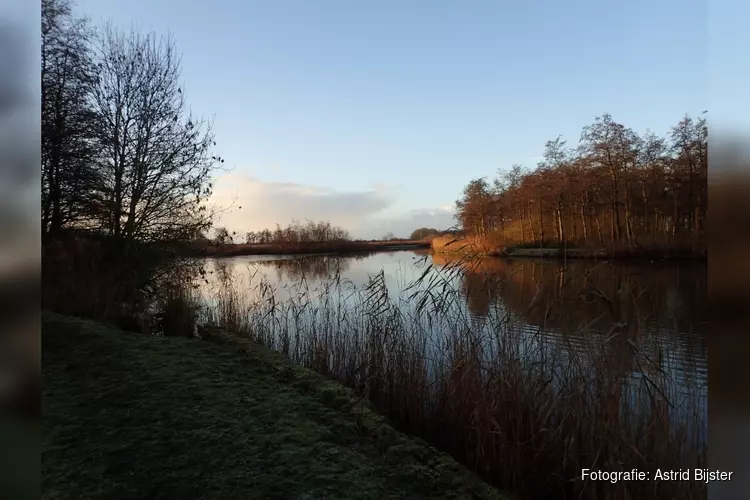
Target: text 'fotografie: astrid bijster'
column 702, row 475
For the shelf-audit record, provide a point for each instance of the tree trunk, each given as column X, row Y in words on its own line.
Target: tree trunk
column 541, row 222
column 646, row 222
column 583, row 224
column 560, row 227
column 628, row 223
column 531, row 225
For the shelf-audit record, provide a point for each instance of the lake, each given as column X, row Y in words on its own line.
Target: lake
column 642, row 323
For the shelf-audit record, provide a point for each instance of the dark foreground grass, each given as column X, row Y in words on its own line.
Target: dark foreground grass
column 133, row 416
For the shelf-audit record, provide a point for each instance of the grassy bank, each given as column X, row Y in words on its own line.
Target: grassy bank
column 139, row 416
column 338, row 247
column 474, row 245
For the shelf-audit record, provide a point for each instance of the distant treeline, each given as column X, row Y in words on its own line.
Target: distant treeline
column 296, row 238
column 615, row 189
column 424, row 233
column 297, row 232
column 309, row 232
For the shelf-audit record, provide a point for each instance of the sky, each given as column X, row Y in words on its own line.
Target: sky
column 375, row 114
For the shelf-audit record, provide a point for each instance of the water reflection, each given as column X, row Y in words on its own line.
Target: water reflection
column 283, row 272
column 637, row 321
column 581, row 297
column 313, row 267
column 578, row 298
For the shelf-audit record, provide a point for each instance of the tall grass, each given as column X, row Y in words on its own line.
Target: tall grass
column 527, row 414
column 140, row 289
column 83, row 278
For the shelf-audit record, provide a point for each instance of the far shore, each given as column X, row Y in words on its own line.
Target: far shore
column 599, row 254
column 464, row 247
column 335, row 247
column 593, row 254
column 459, row 248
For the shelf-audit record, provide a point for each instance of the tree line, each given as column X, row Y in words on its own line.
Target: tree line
column 121, row 154
column 614, row 189
column 423, row 233
column 299, row 233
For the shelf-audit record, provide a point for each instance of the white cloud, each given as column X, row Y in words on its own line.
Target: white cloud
column 439, row 218
column 264, row 204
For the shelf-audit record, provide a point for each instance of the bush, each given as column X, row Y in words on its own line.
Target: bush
column 178, row 313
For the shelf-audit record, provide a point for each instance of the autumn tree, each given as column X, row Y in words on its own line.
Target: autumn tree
column 423, row 232
column 612, row 147
column 615, row 188
column 554, row 171
column 690, row 149
column 473, row 211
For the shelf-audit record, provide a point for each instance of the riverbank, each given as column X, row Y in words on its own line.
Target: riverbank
column 599, row 254
column 339, row 247
column 479, row 247
column 141, row 416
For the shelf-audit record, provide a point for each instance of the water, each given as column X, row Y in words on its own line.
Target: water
column 647, row 321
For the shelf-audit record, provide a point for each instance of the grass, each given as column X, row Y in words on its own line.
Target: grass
column 137, row 416
column 339, row 247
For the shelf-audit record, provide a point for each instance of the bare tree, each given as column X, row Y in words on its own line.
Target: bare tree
column 473, row 210
column 156, row 159
column 689, row 139
column 222, row 236
column 615, row 189
column 69, row 174
column 554, row 168
column 422, row 233
column 297, row 233
column 613, row 147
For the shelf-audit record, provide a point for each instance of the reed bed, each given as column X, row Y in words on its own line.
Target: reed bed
column 526, row 414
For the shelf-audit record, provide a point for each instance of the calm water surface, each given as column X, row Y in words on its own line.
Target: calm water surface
column 651, row 318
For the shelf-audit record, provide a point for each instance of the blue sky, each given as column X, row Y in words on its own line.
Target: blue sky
column 376, row 114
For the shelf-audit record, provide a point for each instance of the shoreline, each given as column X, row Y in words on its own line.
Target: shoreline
column 339, row 248
column 599, row 255
column 581, row 254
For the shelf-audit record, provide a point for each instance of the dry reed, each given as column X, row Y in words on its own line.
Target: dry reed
column 525, row 414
